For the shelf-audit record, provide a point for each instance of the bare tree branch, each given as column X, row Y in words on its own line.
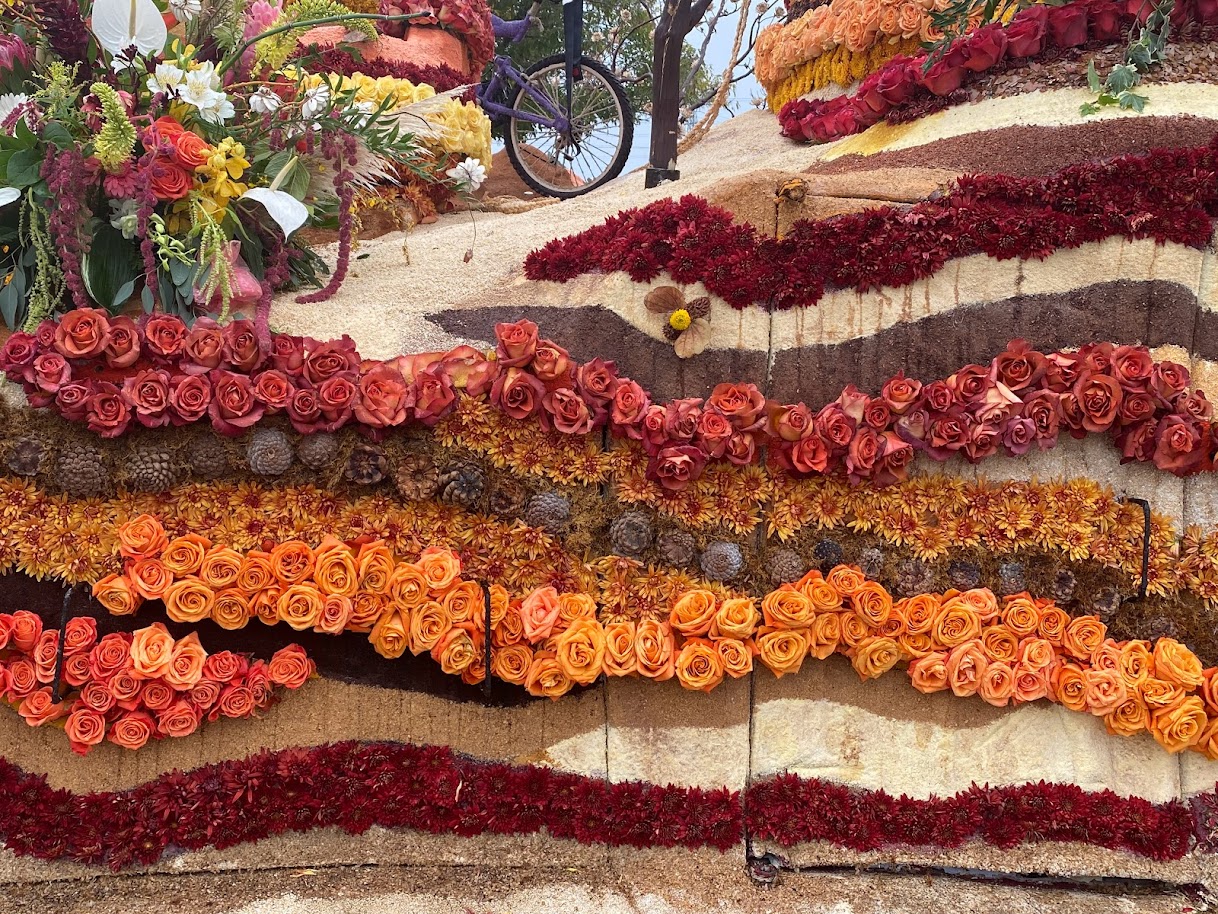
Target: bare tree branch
column 700, row 59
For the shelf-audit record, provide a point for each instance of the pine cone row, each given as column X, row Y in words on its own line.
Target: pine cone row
column 81, row 471
column 462, row 484
column 269, row 452
column 631, row 534
column 318, row 450
column 367, row 465
column 549, row 511
column 722, row 561
column 416, row 477
column 151, row 469
column 25, row 457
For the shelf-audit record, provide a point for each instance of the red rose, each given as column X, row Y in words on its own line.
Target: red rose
column 1136, row 407
column 946, row 74
column 1195, row 405
column 835, row 426
column 203, row 348
column 72, row 400
column 242, row 350
column 164, row 336
column 384, row 397
column 1068, row 25
column 1019, row 366
column 742, row 404
column 170, row 181
column 1182, row 446
column 566, row 411
column 1097, row 357
column 1072, row 415
column 891, row 85
column 434, row 396
column 877, row 415
column 946, row 434
column 287, row 353
column 1043, row 409
column 681, row 418
column 552, row 364
column 1104, row 17
column 714, row 432
column 331, row 358
column 233, row 407
column 224, row 666
column 190, row 398
column 191, row 149
column 741, row 449
column 51, row 371
column 517, row 393
column 516, row 343
column 273, row 389
column 900, row 393
column 939, row 396
column 470, row 370
column 105, row 410
column 1137, row 441
column 304, row 409
column 83, row 333
column 45, row 335
column 123, row 350
column 809, row 455
column 1027, row 32
column 336, row 396
column 676, row 467
column 652, row 430
column 18, row 355
column 789, row 423
column 983, row 441
column 147, row 392
column 1099, row 398
column 630, row 403
column 969, row 383
column 597, row 381
column 985, row 47
column 1132, row 366
column 1168, row 380
column 861, row 457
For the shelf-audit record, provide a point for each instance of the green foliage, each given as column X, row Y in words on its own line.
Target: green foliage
column 958, row 18
column 1144, row 52
column 116, row 139
column 275, row 51
column 48, row 286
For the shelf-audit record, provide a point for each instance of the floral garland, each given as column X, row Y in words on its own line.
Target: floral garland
column 441, row 77
column 112, row 375
column 130, row 688
column 839, row 67
column 1166, row 194
column 355, row 786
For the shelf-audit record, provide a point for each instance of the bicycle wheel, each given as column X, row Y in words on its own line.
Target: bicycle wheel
column 594, row 151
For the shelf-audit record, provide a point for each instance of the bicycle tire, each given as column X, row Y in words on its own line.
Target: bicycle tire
column 512, row 141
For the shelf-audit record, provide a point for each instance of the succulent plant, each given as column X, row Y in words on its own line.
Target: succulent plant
column 677, row 548
column 25, row 457
column 416, row 476
column 913, row 577
column 208, row 456
column 784, row 566
column 722, row 561
column 871, row 561
column 151, row 469
column 462, row 484
column 1011, row 579
column 269, row 452
column 80, row 470
column 963, row 574
column 550, row 511
column 631, row 534
column 318, row 450
column 828, row 554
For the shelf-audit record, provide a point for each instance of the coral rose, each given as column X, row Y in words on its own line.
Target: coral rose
column 189, row 600
column 290, row 667
column 204, row 694
column 231, row 609
column 374, row 562
column 384, row 398
column 97, row 696
column 149, row 578
column 440, row 567
column 693, row 613
column 782, row 650
column 46, row 656
column 511, row 663
column 184, row 555
column 428, row 624
column 1179, row 726
column 85, row 728
column 873, row 657
column 620, row 659
column 220, row 567
column 132, row 730
column 699, row 666
column 956, row 623
column 654, row 650
column 22, row 679
column 142, row 538
column 236, row 701
column 300, row 606
column 676, row 467
column 224, row 666
column 846, row 579
column 291, row 562
column 1082, row 636
column 1022, row 616
column 517, row 343
column 1032, row 684
column 335, row 613
column 186, row 661
column 39, row 707
column 997, row 685
column 1129, row 718
column 966, row 664
column 872, row 603
column 1052, row 626
column 82, row 333
column 517, row 394
column 464, row 603
column 1036, row 653
column 929, row 674
column 539, row 612
column 1000, row 643
column 111, row 654
column 736, row 617
column 178, row 720
column 334, row 568
column 580, row 650
column 919, row 612
column 75, row 670
column 1176, row 663
column 1105, row 691
column 116, row 594
column 26, row 630
column 151, row 651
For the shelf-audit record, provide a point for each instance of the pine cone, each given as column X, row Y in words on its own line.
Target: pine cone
column 1011, row 579
column 81, row 471
column 462, row 484
column 151, row 469
column 963, row 575
column 25, row 456
column 367, row 465
column 785, row 566
column 1107, row 601
column 508, row 498
column 631, row 534
column 416, row 476
column 208, row 456
column 913, row 577
column 318, row 450
column 671, row 333
column 269, row 452
column 699, row 307
column 871, row 560
column 1064, row 583
column 828, row 554
column 677, row 548
column 722, row 561
column 1156, row 627
column 549, row 511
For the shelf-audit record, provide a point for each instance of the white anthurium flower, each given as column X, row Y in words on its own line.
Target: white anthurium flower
column 470, row 173
column 166, row 79
column 185, row 10
column 288, row 212
column 121, row 24
column 264, row 101
column 9, row 195
column 316, row 102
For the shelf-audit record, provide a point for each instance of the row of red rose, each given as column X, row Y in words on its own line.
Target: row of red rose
column 132, row 687
column 1022, row 399
column 899, row 82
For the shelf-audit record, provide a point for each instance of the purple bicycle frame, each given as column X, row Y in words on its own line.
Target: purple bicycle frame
column 505, row 73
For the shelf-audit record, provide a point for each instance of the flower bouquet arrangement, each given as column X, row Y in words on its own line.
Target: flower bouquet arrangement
column 170, row 152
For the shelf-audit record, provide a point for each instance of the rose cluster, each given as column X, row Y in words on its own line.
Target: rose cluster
column 132, row 687
column 1167, row 194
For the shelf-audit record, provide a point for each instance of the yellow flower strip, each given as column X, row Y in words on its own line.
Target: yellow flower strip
column 839, row 67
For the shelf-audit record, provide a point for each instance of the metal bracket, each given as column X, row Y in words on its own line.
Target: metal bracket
column 657, row 176
column 486, row 603
column 63, row 625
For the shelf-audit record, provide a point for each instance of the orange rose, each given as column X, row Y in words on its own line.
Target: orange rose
column 822, row 594
column 872, row 603
column 84, row 727
column 1159, row 693
column 735, row 618
column 546, row 678
column 1180, row 726
column 929, row 674
column 1053, row 622
column 999, row 643
column 786, row 607
column 539, row 612
column 375, row 566
column 1036, row 653
column 186, row 663
column 1176, row 663
column 220, row 567
column 1209, row 688
column 511, row 629
column 428, row 624
column 966, row 664
column 1136, row 663
column 654, row 650
column 334, row 568
column 997, row 685
column 1107, row 656
column 141, row 538
column 149, row 578
column 264, row 605
column 27, row 629
column 783, row 649
column 693, row 613
column 368, row 607
column 847, row 579
column 1083, row 635
column 124, row 686
column 980, row 600
column 1129, row 718
column 455, row 652
column 291, row 562
column 335, row 614
column 39, row 708
column 1105, row 691
column 231, row 609
column 1032, row 683
column 189, row 600
column 256, row 574
column 179, row 719
column 476, row 671
column 184, row 555
column 853, row 628
column 572, row 606
column 116, row 594
column 131, row 730
column 737, row 656
column 511, row 663
column 580, row 650
column 916, row 644
column 956, row 623
column 464, row 603
column 300, row 606
column 894, row 628
column 440, row 567
column 1022, row 616
column 501, row 602
column 873, row 657
column 290, row 667
column 407, row 586
column 391, row 634
column 699, row 666
column 919, row 612
column 151, row 651
column 825, row 634
column 619, row 649
column 1208, row 744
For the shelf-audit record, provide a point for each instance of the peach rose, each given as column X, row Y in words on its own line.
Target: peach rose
column 997, row 686
column 546, row 678
column 39, row 707
column 510, row 630
column 699, row 666
column 1022, row 616
column 220, row 567
column 654, row 649
column 919, row 612
column 956, row 623
column 982, row 601
column 782, row 650
column 407, row 586
column 846, row 579
column 1136, row 662
column 178, row 720
column 300, row 606
column 916, row 644
column 580, row 650
column 149, row 578
column 132, row 730
column 189, row 600
column 186, row 660
column 814, row 586
column 264, row 605
column 1159, row 693
column 391, row 634
column 428, row 625
column 1176, row 663
column 116, row 594
column 1105, row 690
column 1083, row 635
column 257, row 573
column 620, row 659
column 966, row 664
column 231, row 609
column 852, row 629
column 1032, row 683
column 151, row 651
column 184, row 555
column 1129, row 718
column 539, row 613
column 737, row 656
column 334, row 569
column 873, row 657
column 786, row 607
column 929, row 673
column 440, row 567
column 156, row 695
column 825, row 634
column 511, row 663
column 236, row 701
column 1107, row 656
column 456, row 651
column 464, row 603
column 735, row 618
column 872, row 603
column 1000, row 643
column 1179, row 726
column 693, row 613
column 1053, row 622
column 335, row 614
column 141, row 538
column 374, row 562
column 573, row 606
column 291, row 562
column 1036, row 653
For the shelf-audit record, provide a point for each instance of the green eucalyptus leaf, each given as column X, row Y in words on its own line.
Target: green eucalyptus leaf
column 24, row 168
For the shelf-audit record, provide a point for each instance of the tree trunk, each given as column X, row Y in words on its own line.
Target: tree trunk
column 677, row 20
